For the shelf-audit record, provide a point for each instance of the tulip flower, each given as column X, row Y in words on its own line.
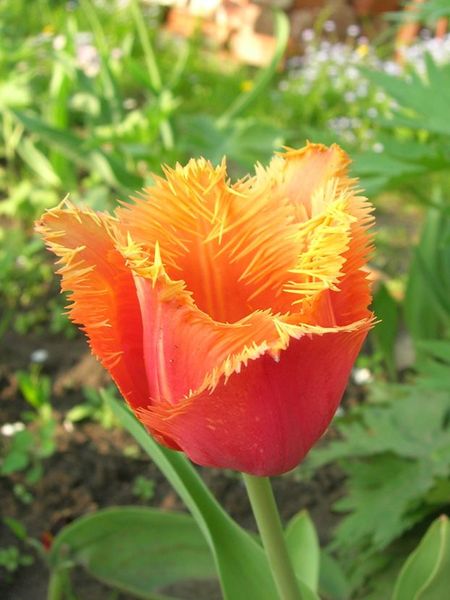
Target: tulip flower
column 229, row 315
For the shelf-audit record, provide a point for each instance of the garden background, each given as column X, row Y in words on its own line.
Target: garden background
column 97, row 95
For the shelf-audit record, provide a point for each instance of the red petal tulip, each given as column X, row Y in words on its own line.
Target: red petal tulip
column 228, row 315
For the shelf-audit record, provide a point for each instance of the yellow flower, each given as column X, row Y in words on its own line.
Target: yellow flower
column 246, row 85
column 362, row 50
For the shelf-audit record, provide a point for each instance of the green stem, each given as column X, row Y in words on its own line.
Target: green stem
column 149, row 55
column 268, row 520
column 243, row 101
column 57, row 585
column 153, row 70
column 104, row 50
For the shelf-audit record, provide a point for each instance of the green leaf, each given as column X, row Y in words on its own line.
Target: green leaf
column 426, row 573
column 382, row 500
column 332, row 581
column 306, row 593
column 303, row 547
column 423, row 113
column 18, row 455
column 260, row 83
column 82, row 152
column 37, row 161
column 385, row 332
column 79, row 413
column 399, row 163
column 14, row 461
column 427, row 304
column 429, row 11
column 394, row 453
column 18, row 529
column 425, row 100
column 435, row 364
column 243, row 141
column 240, row 561
column 137, row 550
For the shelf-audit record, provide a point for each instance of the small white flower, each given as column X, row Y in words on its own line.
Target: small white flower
column 82, row 38
column 349, row 136
column 9, row 429
column 352, row 73
column 349, row 96
column 362, row 376
column 353, row 30
column 321, row 56
column 88, row 59
column 378, row 147
column 59, row 42
column 329, row 26
column 295, row 62
column 307, row 35
column 332, row 71
column 362, row 90
column 116, row 53
column 392, row 68
column 344, row 123
column 372, row 112
column 129, row 103
column 425, row 34
column 39, row 356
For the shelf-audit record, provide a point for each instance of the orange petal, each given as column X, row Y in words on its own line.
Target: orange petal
column 300, row 173
column 232, row 246
column 331, row 238
column 103, row 295
column 184, row 348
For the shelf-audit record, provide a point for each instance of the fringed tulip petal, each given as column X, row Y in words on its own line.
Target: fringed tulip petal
column 184, row 348
column 103, row 297
column 298, row 174
column 265, row 418
column 231, row 245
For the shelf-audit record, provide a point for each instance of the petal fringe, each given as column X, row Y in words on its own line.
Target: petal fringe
column 232, row 245
column 265, row 418
column 102, row 293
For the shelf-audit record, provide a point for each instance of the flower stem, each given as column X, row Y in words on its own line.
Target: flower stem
column 268, row 520
column 57, row 585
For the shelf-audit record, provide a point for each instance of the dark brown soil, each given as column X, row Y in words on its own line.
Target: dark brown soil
column 92, row 468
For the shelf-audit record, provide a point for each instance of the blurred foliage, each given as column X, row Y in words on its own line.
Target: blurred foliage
column 95, row 97
column 395, row 453
column 95, row 408
column 428, row 12
column 416, row 138
column 25, row 448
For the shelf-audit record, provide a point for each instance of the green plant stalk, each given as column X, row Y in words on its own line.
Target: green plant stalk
column 268, row 520
column 57, row 585
column 153, row 71
column 265, row 75
column 150, row 59
column 102, row 44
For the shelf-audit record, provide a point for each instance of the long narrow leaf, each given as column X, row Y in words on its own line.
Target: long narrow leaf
column 262, row 80
column 82, row 153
